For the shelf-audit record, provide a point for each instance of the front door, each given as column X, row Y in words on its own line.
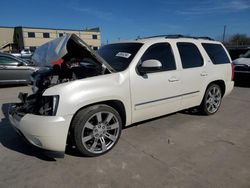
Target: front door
column 158, row 93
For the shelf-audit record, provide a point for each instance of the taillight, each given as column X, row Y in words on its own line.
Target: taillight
column 232, row 71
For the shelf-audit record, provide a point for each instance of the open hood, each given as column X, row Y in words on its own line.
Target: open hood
column 65, row 48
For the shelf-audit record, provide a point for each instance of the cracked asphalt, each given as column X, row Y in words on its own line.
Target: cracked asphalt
column 177, row 150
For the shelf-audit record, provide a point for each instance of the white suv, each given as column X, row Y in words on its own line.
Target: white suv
column 88, row 97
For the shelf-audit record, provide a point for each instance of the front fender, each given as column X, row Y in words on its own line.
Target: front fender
column 77, row 94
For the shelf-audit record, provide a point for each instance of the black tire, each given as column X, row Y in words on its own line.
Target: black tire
column 81, row 131
column 207, row 102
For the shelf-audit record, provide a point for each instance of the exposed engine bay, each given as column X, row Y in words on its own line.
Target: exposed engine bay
column 67, row 71
column 61, row 60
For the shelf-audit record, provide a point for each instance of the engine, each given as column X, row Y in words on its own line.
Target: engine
column 72, row 70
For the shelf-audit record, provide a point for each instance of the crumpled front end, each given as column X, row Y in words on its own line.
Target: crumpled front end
column 44, row 131
column 65, row 59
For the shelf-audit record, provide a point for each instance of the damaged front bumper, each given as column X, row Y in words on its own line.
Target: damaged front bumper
column 46, row 132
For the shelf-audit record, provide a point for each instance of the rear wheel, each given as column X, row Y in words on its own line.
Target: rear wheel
column 96, row 129
column 212, row 100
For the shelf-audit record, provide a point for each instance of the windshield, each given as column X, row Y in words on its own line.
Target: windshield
column 119, row 55
column 247, row 54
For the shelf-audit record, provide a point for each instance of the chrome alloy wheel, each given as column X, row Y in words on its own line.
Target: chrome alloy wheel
column 213, row 99
column 100, row 132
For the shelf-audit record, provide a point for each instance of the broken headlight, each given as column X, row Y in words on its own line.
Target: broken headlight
column 48, row 105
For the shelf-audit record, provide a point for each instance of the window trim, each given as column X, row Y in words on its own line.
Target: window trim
column 140, row 62
column 203, row 61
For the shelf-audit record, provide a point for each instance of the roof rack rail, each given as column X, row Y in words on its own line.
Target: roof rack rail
column 176, row 36
column 206, row 38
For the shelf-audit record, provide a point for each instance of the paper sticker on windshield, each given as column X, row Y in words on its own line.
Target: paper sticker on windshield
column 123, row 54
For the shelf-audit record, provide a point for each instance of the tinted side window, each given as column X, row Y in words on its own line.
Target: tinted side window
column 7, row 61
column 163, row 53
column 190, row 55
column 216, row 53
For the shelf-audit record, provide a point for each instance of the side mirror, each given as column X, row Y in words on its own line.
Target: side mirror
column 149, row 66
column 241, row 55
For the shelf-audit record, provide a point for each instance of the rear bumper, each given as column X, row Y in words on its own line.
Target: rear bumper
column 46, row 132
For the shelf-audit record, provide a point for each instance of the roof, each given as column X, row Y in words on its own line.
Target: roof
column 178, row 38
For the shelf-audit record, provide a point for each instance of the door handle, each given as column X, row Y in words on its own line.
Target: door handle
column 204, row 74
column 173, row 79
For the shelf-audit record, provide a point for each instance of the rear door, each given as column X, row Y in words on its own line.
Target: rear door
column 193, row 75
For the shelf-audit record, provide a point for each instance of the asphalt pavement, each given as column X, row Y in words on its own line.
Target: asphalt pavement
column 177, row 150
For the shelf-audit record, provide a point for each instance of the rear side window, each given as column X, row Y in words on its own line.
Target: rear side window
column 216, row 53
column 190, row 55
column 163, row 53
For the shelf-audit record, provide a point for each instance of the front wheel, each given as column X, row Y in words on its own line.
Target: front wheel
column 96, row 129
column 212, row 100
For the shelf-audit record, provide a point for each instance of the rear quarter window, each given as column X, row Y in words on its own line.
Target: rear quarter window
column 216, row 53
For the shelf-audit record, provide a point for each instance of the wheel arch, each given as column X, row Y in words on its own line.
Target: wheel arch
column 221, row 84
column 116, row 104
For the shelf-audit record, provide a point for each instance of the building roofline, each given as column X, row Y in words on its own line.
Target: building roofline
column 96, row 29
column 7, row 27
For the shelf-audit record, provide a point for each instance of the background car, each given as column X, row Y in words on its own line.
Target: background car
column 25, row 53
column 236, row 52
column 14, row 70
column 242, row 64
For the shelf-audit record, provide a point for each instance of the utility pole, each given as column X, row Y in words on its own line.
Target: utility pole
column 224, row 33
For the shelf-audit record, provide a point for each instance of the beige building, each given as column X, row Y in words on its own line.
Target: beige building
column 31, row 37
column 6, row 38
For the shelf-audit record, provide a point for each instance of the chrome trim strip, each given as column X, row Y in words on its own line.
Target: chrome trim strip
column 13, row 80
column 242, row 71
column 157, row 100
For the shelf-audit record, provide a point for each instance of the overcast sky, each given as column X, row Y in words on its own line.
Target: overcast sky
column 129, row 19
